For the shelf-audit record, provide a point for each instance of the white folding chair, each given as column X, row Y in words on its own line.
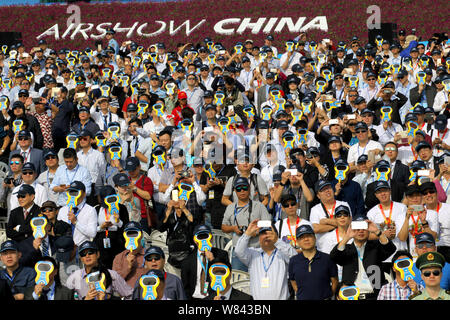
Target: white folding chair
column 220, row 239
column 238, row 275
column 243, row 286
column 160, row 236
column 229, row 248
column 4, row 170
column 162, row 245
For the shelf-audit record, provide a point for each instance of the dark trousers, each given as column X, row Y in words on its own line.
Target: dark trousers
column 445, row 251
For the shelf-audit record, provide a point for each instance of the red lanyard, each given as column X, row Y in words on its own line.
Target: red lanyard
column 337, row 235
column 416, row 225
column 442, row 135
column 387, row 221
column 106, row 219
column 290, row 231
column 332, row 210
column 414, row 153
column 438, row 208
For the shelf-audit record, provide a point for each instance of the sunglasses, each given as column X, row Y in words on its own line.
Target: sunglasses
column 27, row 173
column 427, row 192
column 428, row 273
column 84, row 138
column 14, row 162
column 352, row 95
column 47, row 210
column 352, row 124
column 289, row 204
column 424, row 245
column 23, row 138
column 87, row 252
column 371, row 79
column 149, row 258
column 339, row 78
column 50, row 157
column 23, row 96
column 390, row 149
column 239, row 189
column 21, row 196
column 342, row 214
column 361, row 131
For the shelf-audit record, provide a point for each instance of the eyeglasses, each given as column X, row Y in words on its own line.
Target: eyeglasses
column 87, row 252
column 239, row 189
column 289, row 204
column 15, row 162
column 428, row 273
column 23, row 138
column 50, row 157
column 27, row 173
column 361, row 131
column 154, row 258
column 342, row 214
column 424, row 245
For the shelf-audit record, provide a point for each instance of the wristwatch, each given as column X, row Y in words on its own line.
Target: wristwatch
column 378, row 233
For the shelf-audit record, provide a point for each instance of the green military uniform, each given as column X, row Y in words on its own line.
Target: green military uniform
column 430, row 259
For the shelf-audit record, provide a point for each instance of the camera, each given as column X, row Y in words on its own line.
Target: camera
column 243, row 229
column 9, row 180
column 184, row 174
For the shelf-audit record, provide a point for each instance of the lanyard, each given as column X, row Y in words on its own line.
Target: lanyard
column 331, row 213
column 204, row 267
column 136, row 144
column 26, row 155
column 364, row 150
column 438, row 206
column 73, row 177
column 448, row 185
column 48, row 179
column 445, row 132
column 106, row 122
column 290, row 231
column 272, row 256
column 237, row 210
column 337, row 235
column 387, row 221
column 416, row 225
column 15, row 273
column 414, row 153
column 359, row 254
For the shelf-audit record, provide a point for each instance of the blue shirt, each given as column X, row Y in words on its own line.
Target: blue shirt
column 313, row 277
column 445, row 281
column 65, row 176
column 351, row 193
column 23, row 277
column 113, row 43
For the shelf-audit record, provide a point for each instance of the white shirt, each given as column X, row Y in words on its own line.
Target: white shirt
column 86, row 226
column 285, row 235
column 245, row 78
column 151, row 127
column 387, row 135
column 294, row 59
column 444, row 136
column 355, row 151
column 317, row 213
column 443, row 238
column 398, row 217
column 198, row 287
column 102, row 218
column 94, row 161
column 99, row 119
column 155, row 173
column 39, row 198
column 46, row 179
column 433, row 222
column 439, row 100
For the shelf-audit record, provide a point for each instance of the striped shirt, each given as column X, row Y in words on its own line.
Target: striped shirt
column 393, row 291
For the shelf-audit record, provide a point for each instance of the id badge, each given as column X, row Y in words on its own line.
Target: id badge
column 265, row 282
column 211, row 194
column 106, row 243
column 205, row 288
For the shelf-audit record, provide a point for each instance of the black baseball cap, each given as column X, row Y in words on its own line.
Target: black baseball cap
column 28, row 166
column 77, row 186
column 321, row 184
column 154, row 250
column 87, row 245
column 303, row 229
column 24, row 190
column 64, row 246
column 425, row 237
column 132, row 163
column 382, row 185
column 121, row 179
column 9, row 245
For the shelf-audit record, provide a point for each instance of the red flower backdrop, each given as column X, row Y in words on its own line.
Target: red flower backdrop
column 345, row 18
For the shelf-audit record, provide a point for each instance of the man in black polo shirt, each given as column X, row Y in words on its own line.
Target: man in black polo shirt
column 312, row 271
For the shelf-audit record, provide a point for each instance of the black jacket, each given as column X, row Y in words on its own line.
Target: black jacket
column 61, row 293
column 235, row 295
column 375, row 105
column 374, row 254
column 189, row 269
column 430, row 92
column 16, row 218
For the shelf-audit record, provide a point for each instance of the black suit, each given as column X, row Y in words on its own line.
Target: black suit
column 235, row 295
column 189, row 269
column 401, row 173
column 17, row 218
column 5, row 292
column 374, row 254
column 430, row 92
column 375, row 105
column 61, row 293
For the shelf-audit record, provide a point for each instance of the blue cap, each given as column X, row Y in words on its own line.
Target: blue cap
column 321, row 184
column 382, row 164
column 25, row 189
column 422, row 144
column 303, row 229
column 425, row 237
column 84, row 109
column 359, row 218
column 241, row 181
column 121, row 179
column 154, row 250
column 132, row 225
column 382, row 185
column 28, row 166
column 361, row 125
column 342, row 208
column 9, row 245
column 132, row 107
column 77, row 186
column 201, row 229
column 132, row 163
column 87, row 245
column 362, row 158
column 50, row 153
